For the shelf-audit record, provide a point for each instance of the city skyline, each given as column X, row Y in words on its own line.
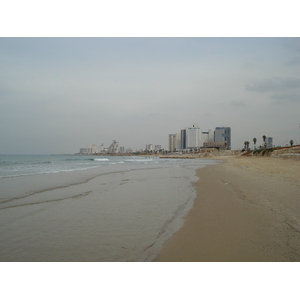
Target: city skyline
column 58, row 94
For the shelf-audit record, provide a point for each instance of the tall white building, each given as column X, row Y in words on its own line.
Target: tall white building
column 171, row 142
column 94, row 148
column 194, row 137
column 177, row 141
column 149, row 147
column 207, row 136
column 174, row 142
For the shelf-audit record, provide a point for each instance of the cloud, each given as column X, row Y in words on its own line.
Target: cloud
column 208, row 114
column 273, row 84
column 292, row 44
column 293, row 62
column 238, row 103
column 283, row 98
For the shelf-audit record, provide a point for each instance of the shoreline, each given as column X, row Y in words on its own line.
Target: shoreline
column 246, row 210
column 122, row 211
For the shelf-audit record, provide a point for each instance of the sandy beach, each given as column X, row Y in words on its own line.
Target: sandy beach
column 247, row 209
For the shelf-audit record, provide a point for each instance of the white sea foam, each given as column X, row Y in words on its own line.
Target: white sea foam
column 101, row 159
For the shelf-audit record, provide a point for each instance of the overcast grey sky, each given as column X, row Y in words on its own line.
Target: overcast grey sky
column 60, row 94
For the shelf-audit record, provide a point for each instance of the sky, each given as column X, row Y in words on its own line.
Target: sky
column 60, row 94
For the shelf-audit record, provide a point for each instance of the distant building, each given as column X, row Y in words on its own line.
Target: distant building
column 122, row 149
column 101, row 149
column 177, row 141
column 172, row 146
column 219, row 145
column 269, row 142
column 114, row 147
column 174, row 142
column 94, row 148
column 223, row 134
column 85, row 151
column 157, row 147
column 149, row 147
column 183, row 139
column 194, row 137
column 208, row 136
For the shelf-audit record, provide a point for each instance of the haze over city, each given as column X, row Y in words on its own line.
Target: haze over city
column 60, row 94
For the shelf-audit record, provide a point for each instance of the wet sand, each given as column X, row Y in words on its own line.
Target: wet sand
column 117, row 212
column 246, row 210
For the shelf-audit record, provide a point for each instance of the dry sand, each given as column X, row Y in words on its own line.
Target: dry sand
column 246, row 210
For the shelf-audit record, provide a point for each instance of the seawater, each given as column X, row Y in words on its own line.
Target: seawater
column 20, row 165
column 92, row 208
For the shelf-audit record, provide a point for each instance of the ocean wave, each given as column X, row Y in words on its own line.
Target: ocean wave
column 100, row 159
column 17, row 162
column 139, row 160
column 41, row 172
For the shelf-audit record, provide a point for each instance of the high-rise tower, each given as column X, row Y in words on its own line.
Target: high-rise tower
column 223, row 134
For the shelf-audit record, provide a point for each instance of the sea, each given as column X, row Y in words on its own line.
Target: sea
column 76, row 208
